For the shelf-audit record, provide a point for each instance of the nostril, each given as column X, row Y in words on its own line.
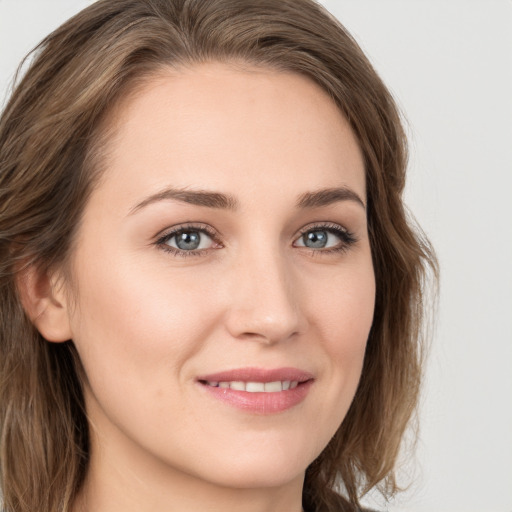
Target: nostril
column 263, row 306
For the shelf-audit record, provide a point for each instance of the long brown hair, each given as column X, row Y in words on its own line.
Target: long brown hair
column 50, row 160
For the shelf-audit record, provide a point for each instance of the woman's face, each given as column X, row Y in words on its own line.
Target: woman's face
column 223, row 278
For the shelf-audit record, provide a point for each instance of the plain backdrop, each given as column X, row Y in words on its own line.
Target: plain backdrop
column 449, row 65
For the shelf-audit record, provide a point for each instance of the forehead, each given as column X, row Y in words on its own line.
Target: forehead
column 219, row 126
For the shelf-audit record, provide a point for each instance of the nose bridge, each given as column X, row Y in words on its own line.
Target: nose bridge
column 264, row 301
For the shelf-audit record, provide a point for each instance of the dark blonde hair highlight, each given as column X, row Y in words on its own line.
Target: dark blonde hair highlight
column 51, row 148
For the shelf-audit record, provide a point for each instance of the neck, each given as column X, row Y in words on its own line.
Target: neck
column 127, row 491
column 119, row 479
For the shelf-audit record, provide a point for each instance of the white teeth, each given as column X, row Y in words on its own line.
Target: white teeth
column 272, row 387
column 256, row 387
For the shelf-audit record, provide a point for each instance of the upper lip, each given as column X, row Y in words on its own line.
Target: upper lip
column 258, row 375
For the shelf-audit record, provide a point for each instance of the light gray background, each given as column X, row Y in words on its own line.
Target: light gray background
column 449, row 64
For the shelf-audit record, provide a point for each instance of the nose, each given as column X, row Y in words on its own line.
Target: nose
column 264, row 300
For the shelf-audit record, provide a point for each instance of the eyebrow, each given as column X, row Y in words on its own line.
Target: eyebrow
column 218, row 200
column 328, row 196
column 197, row 197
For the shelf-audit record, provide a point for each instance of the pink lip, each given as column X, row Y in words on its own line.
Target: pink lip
column 259, row 403
column 258, row 375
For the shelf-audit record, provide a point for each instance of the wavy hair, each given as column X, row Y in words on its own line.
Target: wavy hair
column 51, row 142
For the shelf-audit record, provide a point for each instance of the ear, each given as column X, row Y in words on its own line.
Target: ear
column 43, row 298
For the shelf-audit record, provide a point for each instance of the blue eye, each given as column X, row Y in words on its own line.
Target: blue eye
column 316, row 239
column 326, row 237
column 186, row 240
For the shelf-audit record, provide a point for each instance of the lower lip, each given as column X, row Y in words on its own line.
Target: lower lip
column 261, row 403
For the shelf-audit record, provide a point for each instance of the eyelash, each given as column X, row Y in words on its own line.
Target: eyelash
column 162, row 241
column 347, row 239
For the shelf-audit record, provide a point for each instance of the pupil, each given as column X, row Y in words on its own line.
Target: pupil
column 315, row 239
column 188, row 240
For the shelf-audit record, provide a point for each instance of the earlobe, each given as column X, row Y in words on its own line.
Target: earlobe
column 45, row 303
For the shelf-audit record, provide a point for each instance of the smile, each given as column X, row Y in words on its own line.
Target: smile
column 257, row 390
column 256, row 387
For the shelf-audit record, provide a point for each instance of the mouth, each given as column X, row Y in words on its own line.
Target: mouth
column 254, row 387
column 258, row 390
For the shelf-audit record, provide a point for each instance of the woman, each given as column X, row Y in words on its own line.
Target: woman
column 211, row 296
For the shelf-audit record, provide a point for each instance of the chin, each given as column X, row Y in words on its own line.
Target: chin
column 260, row 466
column 251, row 476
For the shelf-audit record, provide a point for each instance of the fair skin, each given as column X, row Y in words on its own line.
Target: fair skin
column 267, row 284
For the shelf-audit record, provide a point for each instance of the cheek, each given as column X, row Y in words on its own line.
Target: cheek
column 133, row 320
column 343, row 318
column 344, row 306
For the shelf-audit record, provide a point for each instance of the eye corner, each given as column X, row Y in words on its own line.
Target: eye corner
column 163, row 239
column 346, row 238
